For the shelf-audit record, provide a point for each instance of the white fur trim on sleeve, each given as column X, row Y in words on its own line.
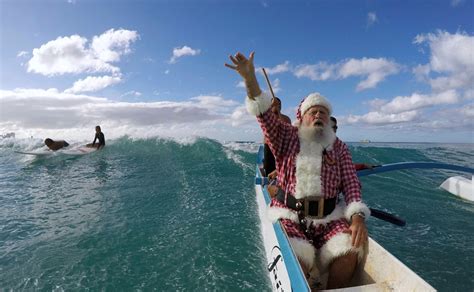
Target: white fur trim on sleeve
column 356, row 207
column 260, row 104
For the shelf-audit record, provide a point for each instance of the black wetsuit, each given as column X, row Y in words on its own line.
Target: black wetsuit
column 268, row 160
column 101, row 138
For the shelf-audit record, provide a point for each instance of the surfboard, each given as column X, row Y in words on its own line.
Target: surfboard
column 78, row 151
column 40, row 152
column 72, row 151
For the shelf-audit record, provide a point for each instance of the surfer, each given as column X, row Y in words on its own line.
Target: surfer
column 98, row 136
column 314, row 167
column 55, row 145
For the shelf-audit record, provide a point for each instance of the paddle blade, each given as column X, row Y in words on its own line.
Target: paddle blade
column 382, row 215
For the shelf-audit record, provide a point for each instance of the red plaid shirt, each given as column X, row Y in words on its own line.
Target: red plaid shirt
column 285, row 144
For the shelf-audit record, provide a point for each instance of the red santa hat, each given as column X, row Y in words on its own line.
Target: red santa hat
column 310, row 101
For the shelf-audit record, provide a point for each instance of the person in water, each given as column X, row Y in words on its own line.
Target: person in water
column 98, row 136
column 358, row 166
column 314, row 167
column 55, row 145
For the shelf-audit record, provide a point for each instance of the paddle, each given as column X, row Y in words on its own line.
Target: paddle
column 382, row 215
column 268, row 82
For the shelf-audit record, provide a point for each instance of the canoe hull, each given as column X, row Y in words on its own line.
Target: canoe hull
column 460, row 186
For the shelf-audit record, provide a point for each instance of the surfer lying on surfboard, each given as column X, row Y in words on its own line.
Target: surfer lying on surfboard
column 55, row 145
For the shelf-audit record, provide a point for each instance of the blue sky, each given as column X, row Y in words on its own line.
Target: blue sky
column 393, row 70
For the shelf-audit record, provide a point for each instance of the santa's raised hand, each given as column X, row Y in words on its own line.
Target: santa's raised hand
column 246, row 69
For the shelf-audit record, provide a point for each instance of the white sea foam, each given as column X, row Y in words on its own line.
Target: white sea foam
column 247, row 146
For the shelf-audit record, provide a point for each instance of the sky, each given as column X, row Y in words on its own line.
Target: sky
column 394, row 71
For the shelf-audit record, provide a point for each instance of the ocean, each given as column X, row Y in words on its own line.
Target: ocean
column 181, row 215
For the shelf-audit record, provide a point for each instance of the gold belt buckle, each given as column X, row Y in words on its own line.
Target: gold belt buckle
column 320, row 207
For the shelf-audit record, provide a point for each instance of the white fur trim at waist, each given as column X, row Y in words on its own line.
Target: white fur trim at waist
column 275, row 213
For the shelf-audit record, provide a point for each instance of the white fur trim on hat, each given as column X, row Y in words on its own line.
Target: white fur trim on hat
column 356, row 207
column 315, row 99
column 304, row 250
column 259, row 105
column 338, row 245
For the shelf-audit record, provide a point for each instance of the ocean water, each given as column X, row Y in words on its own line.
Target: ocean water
column 164, row 215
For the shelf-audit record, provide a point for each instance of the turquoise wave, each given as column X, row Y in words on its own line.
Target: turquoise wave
column 160, row 214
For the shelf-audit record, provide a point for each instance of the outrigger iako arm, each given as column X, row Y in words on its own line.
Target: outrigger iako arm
column 411, row 165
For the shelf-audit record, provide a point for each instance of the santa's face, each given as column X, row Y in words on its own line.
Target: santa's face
column 316, row 116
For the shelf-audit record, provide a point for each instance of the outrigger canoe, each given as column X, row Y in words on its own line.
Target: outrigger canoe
column 380, row 271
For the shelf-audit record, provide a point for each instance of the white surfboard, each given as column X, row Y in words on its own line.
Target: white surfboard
column 40, row 152
column 72, row 151
column 78, row 151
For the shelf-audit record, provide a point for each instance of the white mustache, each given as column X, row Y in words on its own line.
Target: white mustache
column 319, row 123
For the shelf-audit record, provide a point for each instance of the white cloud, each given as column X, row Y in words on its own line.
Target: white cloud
column 451, row 60
column 422, row 72
column 93, row 83
column 378, row 118
column 371, row 18
column 112, row 44
column 276, row 86
column 376, row 70
column 22, row 54
column 45, row 111
column 241, row 84
column 320, row 71
column 184, row 51
column 133, row 93
column 71, row 54
column 468, row 111
column 417, row 101
column 376, row 103
column 451, row 77
column 280, row 68
column 240, row 117
column 214, row 102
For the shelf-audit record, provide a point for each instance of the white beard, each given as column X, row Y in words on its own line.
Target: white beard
column 323, row 135
column 313, row 141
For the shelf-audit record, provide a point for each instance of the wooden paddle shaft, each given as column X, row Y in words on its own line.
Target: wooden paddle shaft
column 268, row 82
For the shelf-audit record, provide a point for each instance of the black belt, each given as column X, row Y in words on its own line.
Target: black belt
column 308, row 207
